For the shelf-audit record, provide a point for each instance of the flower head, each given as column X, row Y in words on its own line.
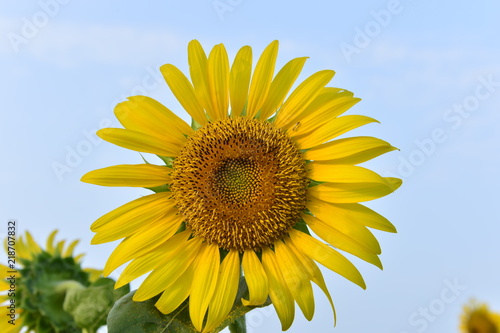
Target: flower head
column 35, row 282
column 477, row 318
column 242, row 187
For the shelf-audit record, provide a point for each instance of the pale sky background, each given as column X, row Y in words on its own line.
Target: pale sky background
column 429, row 71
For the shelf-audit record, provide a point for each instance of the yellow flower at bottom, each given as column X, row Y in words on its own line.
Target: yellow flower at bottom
column 477, row 318
column 242, row 187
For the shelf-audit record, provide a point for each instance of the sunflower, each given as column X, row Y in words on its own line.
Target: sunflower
column 477, row 318
column 242, row 188
column 32, row 286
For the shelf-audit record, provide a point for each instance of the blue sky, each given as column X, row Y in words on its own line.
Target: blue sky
column 428, row 71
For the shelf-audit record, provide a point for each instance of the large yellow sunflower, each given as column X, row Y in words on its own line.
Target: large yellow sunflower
column 478, row 318
column 242, row 187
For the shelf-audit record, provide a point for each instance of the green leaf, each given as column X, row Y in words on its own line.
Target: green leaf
column 143, row 317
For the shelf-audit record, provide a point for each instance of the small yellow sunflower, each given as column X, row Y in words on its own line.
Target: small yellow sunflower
column 242, row 187
column 477, row 318
column 32, row 281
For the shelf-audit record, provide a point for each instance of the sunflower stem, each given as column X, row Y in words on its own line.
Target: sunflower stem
column 238, row 326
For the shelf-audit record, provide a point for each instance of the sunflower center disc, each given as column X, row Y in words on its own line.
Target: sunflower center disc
column 237, row 179
column 240, row 183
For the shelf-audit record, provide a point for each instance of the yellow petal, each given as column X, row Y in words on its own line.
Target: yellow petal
column 314, row 271
column 22, row 250
column 363, row 215
column 144, row 240
column 327, row 100
column 366, row 216
column 49, row 245
column 344, row 223
column 330, row 130
column 140, row 175
column 280, row 86
column 125, row 220
column 175, row 262
column 197, row 60
column 341, row 241
column 256, row 279
column 94, row 274
column 60, row 247
column 349, row 150
column 6, row 327
column 239, row 80
column 139, row 141
column 225, row 292
column 152, row 259
column 348, row 183
column 204, row 283
column 138, row 267
column 354, row 192
column 325, row 107
column 69, row 250
column 184, row 92
column 146, row 115
column 301, row 97
column 32, row 245
column 218, row 79
column 296, row 277
column 177, row 293
column 261, row 80
column 280, row 296
column 327, row 256
column 133, row 206
column 4, row 285
column 340, row 174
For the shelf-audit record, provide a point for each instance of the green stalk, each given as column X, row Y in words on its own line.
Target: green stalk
column 238, row 326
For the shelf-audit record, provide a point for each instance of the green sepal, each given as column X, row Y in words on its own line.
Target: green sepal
column 143, row 317
column 273, row 118
column 302, row 226
column 194, row 124
column 244, row 111
column 158, row 189
column 313, row 183
column 145, row 161
column 169, row 161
